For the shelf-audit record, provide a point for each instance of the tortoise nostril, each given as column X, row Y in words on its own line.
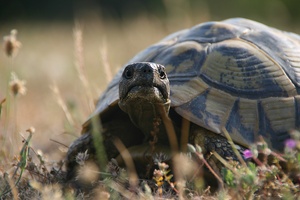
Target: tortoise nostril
column 147, row 69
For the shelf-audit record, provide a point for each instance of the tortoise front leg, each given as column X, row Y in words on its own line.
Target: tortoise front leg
column 144, row 158
column 210, row 142
column 121, row 128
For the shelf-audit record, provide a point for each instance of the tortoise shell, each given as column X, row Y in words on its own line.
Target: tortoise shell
column 238, row 74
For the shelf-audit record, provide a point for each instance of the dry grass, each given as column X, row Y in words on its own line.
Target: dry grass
column 60, row 87
column 57, row 101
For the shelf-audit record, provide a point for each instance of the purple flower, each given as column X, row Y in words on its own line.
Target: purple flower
column 247, row 154
column 290, row 143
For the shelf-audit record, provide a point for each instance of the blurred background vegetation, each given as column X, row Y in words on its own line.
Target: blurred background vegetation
column 113, row 32
column 281, row 11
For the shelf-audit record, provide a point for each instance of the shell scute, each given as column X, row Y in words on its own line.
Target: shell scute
column 182, row 60
column 209, row 109
column 242, row 122
column 212, row 32
column 280, row 112
column 244, row 71
column 183, row 93
column 281, row 49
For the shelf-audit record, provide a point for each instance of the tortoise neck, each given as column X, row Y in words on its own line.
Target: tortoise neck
column 146, row 116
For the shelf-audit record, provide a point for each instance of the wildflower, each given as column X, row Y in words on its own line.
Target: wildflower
column 11, row 44
column 161, row 157
column 163, row 166
column 157, row 173
column 267, row 151
column 290, row 143
column 17, row 86
column 158, row 176
column 247, row 154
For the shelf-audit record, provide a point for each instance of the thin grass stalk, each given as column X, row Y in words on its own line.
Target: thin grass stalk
column 123, row 191
column 62, row 104
column 12, row 188
column 225, row 163
column 14, row 128
column 185, row 130
column 98, row 143
column 21, row 165
column 106, row 65
column 1, row 106
column 11, row 48
column 79, row 63
column 200, row 156
column 237, row 153
column 8, row 108
column 133, row 178
column 169, row 128
column 17, row 87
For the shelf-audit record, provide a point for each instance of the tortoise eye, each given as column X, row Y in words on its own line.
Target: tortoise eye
column 162, row 73
column 128, row 73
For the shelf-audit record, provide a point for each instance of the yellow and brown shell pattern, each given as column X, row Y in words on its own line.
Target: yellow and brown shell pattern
column 238, row 74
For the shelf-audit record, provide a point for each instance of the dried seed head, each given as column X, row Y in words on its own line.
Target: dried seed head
column 161, row 157
column 17, row 86
column 81, row 157
column 88, row 173
column 101, row 194
column 184, row 166
column 31, row 130
column 11, row 44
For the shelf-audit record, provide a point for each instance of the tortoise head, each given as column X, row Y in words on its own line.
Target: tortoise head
column 143, row 82
column 142, row 87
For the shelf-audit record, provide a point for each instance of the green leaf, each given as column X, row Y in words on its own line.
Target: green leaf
column 228, row 177
column 252, row 166
column 248, row 179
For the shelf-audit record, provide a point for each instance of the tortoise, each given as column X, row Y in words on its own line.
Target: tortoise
column 236, row 75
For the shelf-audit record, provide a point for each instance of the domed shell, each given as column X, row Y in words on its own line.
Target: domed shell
column 238, row 74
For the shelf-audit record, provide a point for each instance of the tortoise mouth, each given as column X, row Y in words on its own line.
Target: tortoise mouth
column 154, row 93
